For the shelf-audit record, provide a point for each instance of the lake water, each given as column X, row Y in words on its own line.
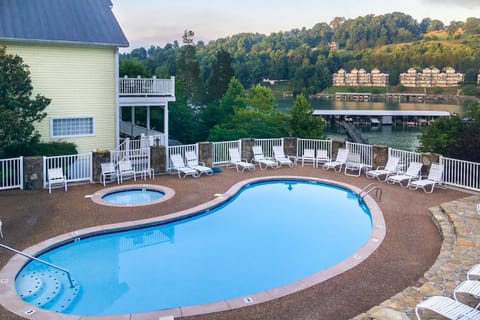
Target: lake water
column 399, row 137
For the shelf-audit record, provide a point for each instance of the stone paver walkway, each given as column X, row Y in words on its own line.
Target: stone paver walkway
column 458, row 222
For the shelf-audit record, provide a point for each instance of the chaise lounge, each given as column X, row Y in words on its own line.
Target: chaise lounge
column 237, row 161
column 433, row 179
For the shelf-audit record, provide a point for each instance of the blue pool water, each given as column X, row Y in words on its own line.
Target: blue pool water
column 270, row 234
column 133, row 196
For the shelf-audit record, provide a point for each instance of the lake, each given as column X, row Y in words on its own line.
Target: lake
column 399, row 137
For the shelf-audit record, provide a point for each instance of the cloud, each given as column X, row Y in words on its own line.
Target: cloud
column 469, row 4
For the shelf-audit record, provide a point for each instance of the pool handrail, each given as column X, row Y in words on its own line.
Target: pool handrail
column 371, row 187
column 41, row 261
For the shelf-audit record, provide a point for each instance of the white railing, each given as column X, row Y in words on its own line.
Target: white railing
column 459, row 173
column 406, row 157
column 147, row 87
column 132, row 130
column 180, row 150
column 11, row 173
column 139, row 157
column 268, row 144
column 76, row 168
column 220, row 151
column 313, row 144
column 364, row 150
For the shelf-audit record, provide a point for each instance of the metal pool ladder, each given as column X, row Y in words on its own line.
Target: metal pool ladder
column 370, row 188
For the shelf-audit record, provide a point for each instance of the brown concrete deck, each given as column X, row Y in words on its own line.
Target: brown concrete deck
column 410, row 248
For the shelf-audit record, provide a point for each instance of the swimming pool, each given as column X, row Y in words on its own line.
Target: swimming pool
column 273, row 247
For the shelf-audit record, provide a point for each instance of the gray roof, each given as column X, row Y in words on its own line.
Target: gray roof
column 66, row 21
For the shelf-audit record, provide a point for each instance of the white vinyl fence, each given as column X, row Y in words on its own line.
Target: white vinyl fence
column 364, row 150
column 268, row 144
column 180, row 150
column 11, row 173
column 459, row 173
column 406, row 157
column 220, row 151
column 76, row 168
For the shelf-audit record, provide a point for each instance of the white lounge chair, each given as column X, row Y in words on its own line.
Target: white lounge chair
column 178, row 165
column 125, row 171
column 473, row 272
column 433, row 179
column 237, row 161
column 469, row 287
column 449, row 308
column 259, row 158
column 413, row 172
column 280, row 157
column 56, row 178
column 308, row 156
column 192, row 162
column 339, row 161
column 382, row 173
column 108, row 172
column 354, row 165
column 321, row 157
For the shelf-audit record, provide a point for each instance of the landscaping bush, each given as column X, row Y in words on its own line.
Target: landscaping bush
column 40, row 149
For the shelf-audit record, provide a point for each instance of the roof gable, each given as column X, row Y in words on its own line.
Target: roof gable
column 74, row 21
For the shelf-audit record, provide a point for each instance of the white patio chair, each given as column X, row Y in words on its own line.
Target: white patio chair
column 308, row 156
column 178, row 165
column 413, row 172
column 469, row 287
column 321, row 157
column 108, row 172
column 433, row 179
column 448, row 307
column 237, row 161
column 382, row 173
column 474, row 272
column 259, row 158
column 192, row 162
column 339, row 162
column 354, row 165
column 56, row 178
column 280, row 157
column 126, row 171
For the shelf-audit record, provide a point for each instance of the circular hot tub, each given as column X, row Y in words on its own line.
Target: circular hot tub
column 133, row 195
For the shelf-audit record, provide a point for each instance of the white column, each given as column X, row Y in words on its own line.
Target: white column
column 148, row 120
column 132, row 115
column 116, row 113
column 165, row 124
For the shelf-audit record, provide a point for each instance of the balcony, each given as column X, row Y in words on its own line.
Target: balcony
column 146, row 92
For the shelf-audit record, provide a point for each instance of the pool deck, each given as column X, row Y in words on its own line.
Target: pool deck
column 411, row 263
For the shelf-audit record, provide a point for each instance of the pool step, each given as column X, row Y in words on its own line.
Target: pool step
column 48, row 289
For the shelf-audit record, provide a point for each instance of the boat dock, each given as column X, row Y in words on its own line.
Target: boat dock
column 385, row 117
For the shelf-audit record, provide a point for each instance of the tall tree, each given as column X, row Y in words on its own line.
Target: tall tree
column 222, row 73
column 302, row 122
column 188, row 71
column 18, row 109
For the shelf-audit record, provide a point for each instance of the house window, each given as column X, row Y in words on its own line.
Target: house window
column 72, row 127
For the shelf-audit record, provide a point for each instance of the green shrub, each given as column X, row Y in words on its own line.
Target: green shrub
column 48, row 149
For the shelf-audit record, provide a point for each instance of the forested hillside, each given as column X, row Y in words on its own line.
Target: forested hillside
column 391, row 42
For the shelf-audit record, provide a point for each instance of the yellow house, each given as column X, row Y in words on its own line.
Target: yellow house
column 71, row 48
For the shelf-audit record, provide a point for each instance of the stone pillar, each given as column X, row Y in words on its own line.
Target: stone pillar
column 205, row 153
column 158, row 159
column 380, row 156
column 246, row 152
column 336, row 144
column 33, row 173
column 99, row 157
column 290, row 146
column 427, row 160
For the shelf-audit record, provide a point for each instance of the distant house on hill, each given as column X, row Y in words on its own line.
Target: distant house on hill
column 360, row 78
column 431, row 78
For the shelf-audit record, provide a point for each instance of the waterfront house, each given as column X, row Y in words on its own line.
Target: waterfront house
column 360, row 77
column 431, row 78
column 71, row 48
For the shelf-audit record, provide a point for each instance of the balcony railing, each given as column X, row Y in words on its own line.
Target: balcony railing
column 135, row 87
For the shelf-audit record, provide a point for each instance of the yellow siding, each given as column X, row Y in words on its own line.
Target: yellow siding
column 80, row 81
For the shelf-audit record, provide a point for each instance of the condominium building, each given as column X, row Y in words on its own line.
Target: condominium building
column 431, row 78
column 360, row 77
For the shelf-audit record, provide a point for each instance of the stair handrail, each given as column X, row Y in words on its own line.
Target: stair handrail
column 41, row 261
column 369, row 188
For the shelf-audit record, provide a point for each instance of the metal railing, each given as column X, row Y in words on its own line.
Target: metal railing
column 180, row 150
column 406, row 157
column 41, row 261
column 315, row 145
column 268, row 144
column 220, row 151
column 147, row 87
column 76, row 168
column 460, row 173
column 370, row 188
column 11, row 173
column 365, row 152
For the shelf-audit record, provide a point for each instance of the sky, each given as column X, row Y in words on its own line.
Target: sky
column 155, row 22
